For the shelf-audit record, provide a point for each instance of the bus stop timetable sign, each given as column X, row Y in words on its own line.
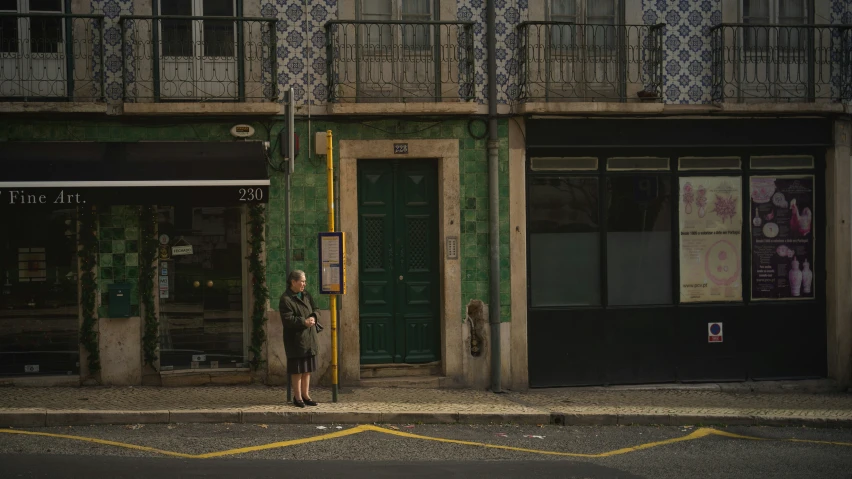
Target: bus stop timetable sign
column 331, row 266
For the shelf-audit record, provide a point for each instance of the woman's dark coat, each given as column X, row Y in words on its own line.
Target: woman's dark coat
column 300, row 341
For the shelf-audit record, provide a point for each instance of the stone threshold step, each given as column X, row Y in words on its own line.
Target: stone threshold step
column 400, row 370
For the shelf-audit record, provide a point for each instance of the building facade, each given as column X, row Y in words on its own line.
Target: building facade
column 638, row 144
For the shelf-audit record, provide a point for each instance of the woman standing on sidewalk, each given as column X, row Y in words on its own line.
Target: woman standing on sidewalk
column 299, row 315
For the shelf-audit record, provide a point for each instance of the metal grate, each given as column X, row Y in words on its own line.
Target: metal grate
column 417, row 241
column 709, row 163
column 559, row 164
column 374, row 233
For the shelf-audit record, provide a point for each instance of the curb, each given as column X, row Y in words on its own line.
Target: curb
column 48, row 418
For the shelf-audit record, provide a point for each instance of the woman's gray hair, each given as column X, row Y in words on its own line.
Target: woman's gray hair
column 295, row 275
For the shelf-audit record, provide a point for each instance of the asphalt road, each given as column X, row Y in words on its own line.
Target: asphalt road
column 459, row 451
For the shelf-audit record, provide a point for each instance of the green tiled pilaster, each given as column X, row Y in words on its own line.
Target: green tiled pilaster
column 118, row 243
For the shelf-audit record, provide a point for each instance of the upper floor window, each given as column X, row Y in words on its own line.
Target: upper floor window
column 182, row 38
column 409, row 11
column 28, row 35
column 584, row 12
column 769, row 17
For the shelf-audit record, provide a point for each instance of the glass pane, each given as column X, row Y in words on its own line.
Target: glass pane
column 415, row 7
column 218, row 8
column 756, row 12
column 45, row 35
column 601, row 11
column 177, row 38
column 39, row 326
column 46, row 6
column 639, row 249
column 564, row 241
column 176, row 7
column 201, row 309
column 563, row 8
column 376, row 9
column 219, row 38
column 792, row 10
column 9, row 5
column 8, row 35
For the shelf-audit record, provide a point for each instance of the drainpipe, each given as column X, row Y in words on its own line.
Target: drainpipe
column 493, row 198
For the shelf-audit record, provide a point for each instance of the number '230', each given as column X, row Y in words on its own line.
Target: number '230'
column 251, row 194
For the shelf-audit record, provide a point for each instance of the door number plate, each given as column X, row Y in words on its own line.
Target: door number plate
column 31, row 368
column 199, row 357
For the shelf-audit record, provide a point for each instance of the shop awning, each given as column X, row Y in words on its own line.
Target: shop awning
column 110, row 173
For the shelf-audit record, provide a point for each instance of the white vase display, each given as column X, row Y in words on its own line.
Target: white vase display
column 756, row 221
column 807, row 278
column 795, row 278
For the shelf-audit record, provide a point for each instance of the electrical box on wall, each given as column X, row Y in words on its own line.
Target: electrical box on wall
column 321, row 142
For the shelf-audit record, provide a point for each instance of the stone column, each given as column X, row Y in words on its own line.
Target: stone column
column 839, row 255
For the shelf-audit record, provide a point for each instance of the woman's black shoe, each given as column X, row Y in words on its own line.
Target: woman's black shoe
column 310, row 402
column 298, row 403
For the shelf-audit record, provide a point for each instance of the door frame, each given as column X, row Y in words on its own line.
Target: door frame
column 446, row 152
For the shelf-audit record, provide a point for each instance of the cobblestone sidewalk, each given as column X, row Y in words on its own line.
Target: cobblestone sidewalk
column 22, row 406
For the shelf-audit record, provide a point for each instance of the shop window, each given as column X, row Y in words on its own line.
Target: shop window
column 639, row 243
column 564, row 247
column 782, row 162
column 686, row 163
column 583, row 163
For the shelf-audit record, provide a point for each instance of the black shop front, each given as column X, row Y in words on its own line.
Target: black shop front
column 200, row 189
column 663, row 250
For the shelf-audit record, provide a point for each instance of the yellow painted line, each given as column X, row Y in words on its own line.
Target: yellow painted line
column 293, row 442
column 697, row 434
column 99, row 441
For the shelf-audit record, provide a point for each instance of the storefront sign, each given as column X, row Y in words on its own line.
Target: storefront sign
column 782, row 239
column 710, row 239
column 164, row 282
column 181, row 250
column 19, row 195
column 714, row 332
column 332, row 273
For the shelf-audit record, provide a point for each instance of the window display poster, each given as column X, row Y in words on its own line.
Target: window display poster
column 782, row 240
column 710, row 226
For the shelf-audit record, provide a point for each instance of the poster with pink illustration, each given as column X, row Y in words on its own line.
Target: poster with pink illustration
column 782, row 237
column 710, row 226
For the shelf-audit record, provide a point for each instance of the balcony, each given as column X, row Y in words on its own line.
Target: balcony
column 198, row 59
column 47, row 57
column 565, row 62
column 782, row 63
column 389, row 61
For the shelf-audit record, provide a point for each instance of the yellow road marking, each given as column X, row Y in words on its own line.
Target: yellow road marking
column 99, row 441
column 697, row 434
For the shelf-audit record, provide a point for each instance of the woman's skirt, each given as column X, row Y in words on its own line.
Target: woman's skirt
column 301, row 365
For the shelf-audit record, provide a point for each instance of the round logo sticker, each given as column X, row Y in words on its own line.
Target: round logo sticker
column 164, row 239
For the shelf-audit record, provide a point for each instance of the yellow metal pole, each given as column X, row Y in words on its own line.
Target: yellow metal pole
column 329, row 161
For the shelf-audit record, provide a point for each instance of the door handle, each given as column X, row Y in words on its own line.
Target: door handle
column 400, row 277
column 209, row 284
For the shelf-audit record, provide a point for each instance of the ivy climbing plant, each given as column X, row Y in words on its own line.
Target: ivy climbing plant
column 88, row 254
column 147, row 270
column 260, row 292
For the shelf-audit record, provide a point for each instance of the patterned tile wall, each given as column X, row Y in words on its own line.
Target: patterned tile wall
column 686, row 47
column 118, row 254
column 301, row 45
column 112, row 9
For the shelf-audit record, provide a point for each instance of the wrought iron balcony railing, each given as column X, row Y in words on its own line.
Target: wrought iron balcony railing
column 782, row 63
column 390, row 61
column 562, row 61
column 183, row 58
column 51, row 57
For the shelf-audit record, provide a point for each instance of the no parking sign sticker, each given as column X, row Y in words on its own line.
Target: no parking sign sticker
column 714, row 332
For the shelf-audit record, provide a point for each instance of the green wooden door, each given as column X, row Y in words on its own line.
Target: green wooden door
column 398, row 261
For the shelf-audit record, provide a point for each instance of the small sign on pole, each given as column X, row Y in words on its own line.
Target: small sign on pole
column 714, row 332
column 331, row 266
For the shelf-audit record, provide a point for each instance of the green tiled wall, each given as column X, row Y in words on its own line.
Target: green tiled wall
column 119, row 224
column 118, row 249
column 309, row 197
